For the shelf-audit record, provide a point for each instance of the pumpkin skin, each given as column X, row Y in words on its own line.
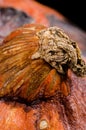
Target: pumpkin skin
column 7, row 18
column 23, row 76
column 60, row 112
column 16, row 116
column 52, row 96
column 71, row 108
column 40, row 14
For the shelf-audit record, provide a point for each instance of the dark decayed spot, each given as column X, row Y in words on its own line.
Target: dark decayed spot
column 10, row 19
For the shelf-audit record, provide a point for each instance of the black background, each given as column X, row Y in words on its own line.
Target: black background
column 74, row 10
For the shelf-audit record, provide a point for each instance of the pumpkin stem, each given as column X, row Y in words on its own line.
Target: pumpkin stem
column 56, row 48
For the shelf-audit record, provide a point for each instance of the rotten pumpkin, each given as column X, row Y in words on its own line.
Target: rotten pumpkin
column 34, row 65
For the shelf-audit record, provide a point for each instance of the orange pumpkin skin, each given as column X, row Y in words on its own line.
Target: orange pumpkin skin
column 16, row 116
column 56, row 110
column 23, row 76
column 32, row 8
column 47, row 16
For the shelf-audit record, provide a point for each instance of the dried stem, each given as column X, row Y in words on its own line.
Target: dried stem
column 56, row 48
